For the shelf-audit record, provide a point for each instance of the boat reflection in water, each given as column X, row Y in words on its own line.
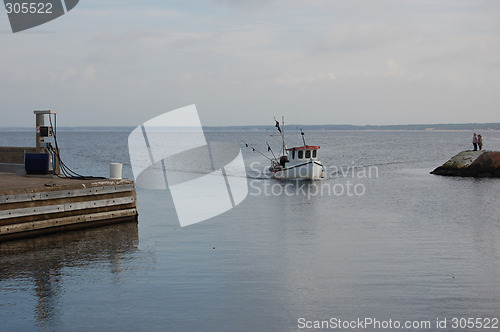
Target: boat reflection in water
column 41, row 261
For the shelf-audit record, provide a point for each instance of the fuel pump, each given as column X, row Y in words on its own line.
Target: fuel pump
column 45, row 159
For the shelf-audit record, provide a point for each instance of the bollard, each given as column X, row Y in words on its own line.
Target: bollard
column 115, row 171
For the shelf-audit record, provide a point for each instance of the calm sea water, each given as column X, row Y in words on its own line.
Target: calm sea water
column 380, row 239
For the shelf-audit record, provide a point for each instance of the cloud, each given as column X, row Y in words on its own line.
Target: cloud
column 394, row 69
column 356, row 38
column 243, row 4
column 90, row 73
column 63, row 75
column 320, row 78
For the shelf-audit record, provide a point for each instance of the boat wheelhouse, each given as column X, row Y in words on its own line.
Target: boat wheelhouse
column 304, row 152
column 299, row 162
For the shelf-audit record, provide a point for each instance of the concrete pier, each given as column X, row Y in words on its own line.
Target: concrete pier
column 473, row 164
column 34, row 205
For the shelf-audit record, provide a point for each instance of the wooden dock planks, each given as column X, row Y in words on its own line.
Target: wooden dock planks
column 36, row 205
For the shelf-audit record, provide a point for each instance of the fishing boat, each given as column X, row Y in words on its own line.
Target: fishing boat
column 299, row 162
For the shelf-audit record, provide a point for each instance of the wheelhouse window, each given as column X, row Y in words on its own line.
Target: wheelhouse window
column 308, row 154
column 301, row 154
column 315, row 153
column 293, row 154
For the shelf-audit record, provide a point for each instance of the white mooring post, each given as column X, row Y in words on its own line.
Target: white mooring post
column 115, row 171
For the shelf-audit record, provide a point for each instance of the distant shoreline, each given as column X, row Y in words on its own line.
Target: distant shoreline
column 408, row 127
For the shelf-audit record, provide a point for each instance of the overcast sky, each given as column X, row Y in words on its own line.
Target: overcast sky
column 242, row 62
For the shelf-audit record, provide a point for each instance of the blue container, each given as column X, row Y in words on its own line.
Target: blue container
column 36, row 163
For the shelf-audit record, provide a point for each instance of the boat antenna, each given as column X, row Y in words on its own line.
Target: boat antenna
column 303, row 135
column 283, row 133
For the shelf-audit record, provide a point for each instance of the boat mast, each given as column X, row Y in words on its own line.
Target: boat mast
column 283, row 134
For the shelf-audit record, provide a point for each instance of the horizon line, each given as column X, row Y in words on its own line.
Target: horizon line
column 286, row 125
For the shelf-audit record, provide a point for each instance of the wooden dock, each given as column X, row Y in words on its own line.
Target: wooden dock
column 34, row 205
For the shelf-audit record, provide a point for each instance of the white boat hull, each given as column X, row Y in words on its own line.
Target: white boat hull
column 308, row 170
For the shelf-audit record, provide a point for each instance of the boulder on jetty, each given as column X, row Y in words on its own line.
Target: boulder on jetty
column 472, row 163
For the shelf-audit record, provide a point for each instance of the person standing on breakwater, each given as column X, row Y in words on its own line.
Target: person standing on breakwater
column 474, row 141
column 480, row 142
